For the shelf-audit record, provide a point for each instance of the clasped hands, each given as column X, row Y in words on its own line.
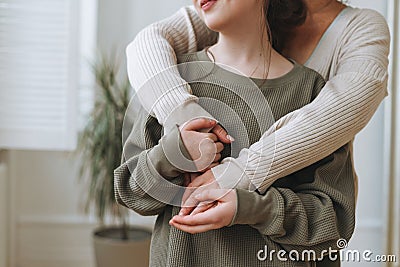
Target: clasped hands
column 205, row 206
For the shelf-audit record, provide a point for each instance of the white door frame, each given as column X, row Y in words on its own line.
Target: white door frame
column 3, row 212
column 392, row 140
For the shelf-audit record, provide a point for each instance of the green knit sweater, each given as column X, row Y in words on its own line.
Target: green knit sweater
column 307, row 210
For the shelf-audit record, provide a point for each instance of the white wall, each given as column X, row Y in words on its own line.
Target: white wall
column 121, row 20
column 48, row 226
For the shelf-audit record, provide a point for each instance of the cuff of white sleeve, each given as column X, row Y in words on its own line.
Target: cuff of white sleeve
column 230, row 174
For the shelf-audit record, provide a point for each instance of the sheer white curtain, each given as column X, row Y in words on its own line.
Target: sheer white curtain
column 39, row 74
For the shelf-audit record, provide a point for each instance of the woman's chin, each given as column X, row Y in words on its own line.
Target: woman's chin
column 214, row 24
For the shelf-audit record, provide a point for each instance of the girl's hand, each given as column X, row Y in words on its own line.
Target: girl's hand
column 221, row 214
column 204, row 148
column 198, row 184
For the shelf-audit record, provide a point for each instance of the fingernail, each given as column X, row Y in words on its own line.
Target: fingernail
column 230, row 138
column 181, row 213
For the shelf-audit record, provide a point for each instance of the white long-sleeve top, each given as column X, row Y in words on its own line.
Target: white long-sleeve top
column 352, row 56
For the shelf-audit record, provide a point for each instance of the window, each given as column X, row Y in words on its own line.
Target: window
column 39, row 74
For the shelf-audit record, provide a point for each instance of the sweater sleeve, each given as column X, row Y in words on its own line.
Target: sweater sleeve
column 152, row 69
column 344, row 106
column 135, row 186
column 309, row 215
column 149, row 180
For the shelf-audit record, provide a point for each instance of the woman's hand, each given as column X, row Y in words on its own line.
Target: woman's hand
column 195, row 184
column 204, row 147
column 221, row 213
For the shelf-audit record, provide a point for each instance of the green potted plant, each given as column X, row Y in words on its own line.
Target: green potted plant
column 100, row 148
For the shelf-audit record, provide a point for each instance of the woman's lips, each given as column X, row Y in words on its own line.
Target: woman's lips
column 207, row 4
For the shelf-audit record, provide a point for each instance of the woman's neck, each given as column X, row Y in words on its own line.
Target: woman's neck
column 320, row 6
column 302, row 40
column 250, row 54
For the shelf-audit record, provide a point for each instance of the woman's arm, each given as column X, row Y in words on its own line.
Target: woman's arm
column 341, row 110
column 344, row 106
column 152, row 56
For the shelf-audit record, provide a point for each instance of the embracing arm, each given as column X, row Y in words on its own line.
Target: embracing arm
column 152, row 56
column 355, row 89
column 345, row 105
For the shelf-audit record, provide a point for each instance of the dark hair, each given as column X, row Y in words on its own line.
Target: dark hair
column 282, row 16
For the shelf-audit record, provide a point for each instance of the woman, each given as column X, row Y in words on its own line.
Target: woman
column 130, row 194
column 349, row 47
